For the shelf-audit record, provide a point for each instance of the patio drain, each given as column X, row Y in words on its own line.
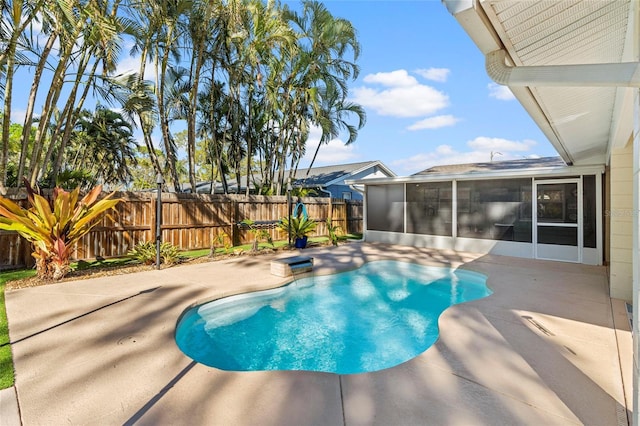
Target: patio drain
column 130, row 340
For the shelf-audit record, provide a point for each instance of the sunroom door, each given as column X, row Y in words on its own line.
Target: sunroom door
column 558, row 220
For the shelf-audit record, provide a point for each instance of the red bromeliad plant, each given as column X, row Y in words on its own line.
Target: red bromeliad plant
column 54, row 227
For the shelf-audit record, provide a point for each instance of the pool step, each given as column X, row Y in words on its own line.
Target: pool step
column 289, row 266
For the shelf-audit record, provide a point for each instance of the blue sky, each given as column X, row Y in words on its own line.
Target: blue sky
column 427, row 96
column 424, row 88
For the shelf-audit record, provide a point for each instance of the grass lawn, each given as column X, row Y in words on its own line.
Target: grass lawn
column 6, row 362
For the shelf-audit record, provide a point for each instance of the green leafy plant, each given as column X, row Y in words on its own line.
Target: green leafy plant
column 170, row 254
column 300, row 226
column 303, row 192
column 145, row 253
column 333, row 231
column 258, row 234
column 222, row 239
column 53, row 227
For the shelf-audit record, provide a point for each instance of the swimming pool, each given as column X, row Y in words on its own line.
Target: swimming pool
column 368, row 319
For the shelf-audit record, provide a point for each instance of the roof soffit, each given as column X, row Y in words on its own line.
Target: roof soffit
column 580, row 122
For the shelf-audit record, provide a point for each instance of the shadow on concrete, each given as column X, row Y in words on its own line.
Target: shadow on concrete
column 146, row 407
column 150, row 290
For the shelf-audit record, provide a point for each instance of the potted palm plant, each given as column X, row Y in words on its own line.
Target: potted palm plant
column 300, row 228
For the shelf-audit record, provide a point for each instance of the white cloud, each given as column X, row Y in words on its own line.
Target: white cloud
column 128, row 64
column 335, row 152
column 502, row 93
column 480, row 150
column 404, row 97
column 313, row 139
column 434, row 122
column 498, row 144
column 435, row 74
column 398, row 78
column 18, row 115
column 445, row 150
column 443, row 154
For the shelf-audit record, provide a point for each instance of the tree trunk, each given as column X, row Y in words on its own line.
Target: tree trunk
column 66, row 137
column 164, row 121
column 28, row 119
column 144, row 125
column 6, row 118
column 47, row 111
column 191, row 115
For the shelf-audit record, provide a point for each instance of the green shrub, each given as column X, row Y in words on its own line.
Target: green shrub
column 170, row 254
column 145, row 253
column 258, row 234
column 333, row 230
column 54, row 226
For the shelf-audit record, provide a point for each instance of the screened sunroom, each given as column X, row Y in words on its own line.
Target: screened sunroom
column 537, row 208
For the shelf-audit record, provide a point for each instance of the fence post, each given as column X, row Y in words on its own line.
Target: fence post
column 152, row 209
column 235, row 232
column 158, row 217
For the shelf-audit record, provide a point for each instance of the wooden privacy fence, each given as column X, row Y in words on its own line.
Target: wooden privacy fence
column 189, row 221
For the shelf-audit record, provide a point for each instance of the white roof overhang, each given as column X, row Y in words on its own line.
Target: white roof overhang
column 586, row 111
column 378, row 163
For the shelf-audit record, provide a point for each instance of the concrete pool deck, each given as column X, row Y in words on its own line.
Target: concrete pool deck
column 548, row 347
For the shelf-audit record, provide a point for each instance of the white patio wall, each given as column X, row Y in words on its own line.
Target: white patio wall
column 635, row 245
column 621, row 213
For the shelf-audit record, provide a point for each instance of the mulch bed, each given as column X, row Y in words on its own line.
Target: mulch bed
column 105, row 271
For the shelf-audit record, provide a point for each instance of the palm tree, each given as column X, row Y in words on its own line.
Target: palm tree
column 104, row 144
column 334, row 111
column 68, row 25
column 169, row 15
column 212, row 107
column 258, row 76
column 204, row 26
column 317, row 80
column 16, row 17
column 267, row 32
column 139, row 106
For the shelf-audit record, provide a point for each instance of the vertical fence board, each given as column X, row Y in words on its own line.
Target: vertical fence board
column 190, row 221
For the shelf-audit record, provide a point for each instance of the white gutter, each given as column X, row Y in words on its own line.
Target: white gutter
column 623, row 74
column 321, row 189
column 355, row 188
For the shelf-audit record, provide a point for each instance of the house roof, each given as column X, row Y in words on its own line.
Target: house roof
column 582, row 114
column 520, row 164
column 318, row 176
column 205, row 187
column 328, row 175
column 539, row 168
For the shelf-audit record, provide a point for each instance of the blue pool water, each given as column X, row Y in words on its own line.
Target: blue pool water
column 368, row 319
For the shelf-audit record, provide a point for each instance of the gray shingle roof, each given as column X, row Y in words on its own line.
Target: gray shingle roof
column 319, row 176
column 520, row 164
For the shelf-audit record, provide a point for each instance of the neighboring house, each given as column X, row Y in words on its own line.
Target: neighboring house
column 232, row 187
column 575, row 68
column 330, row 180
